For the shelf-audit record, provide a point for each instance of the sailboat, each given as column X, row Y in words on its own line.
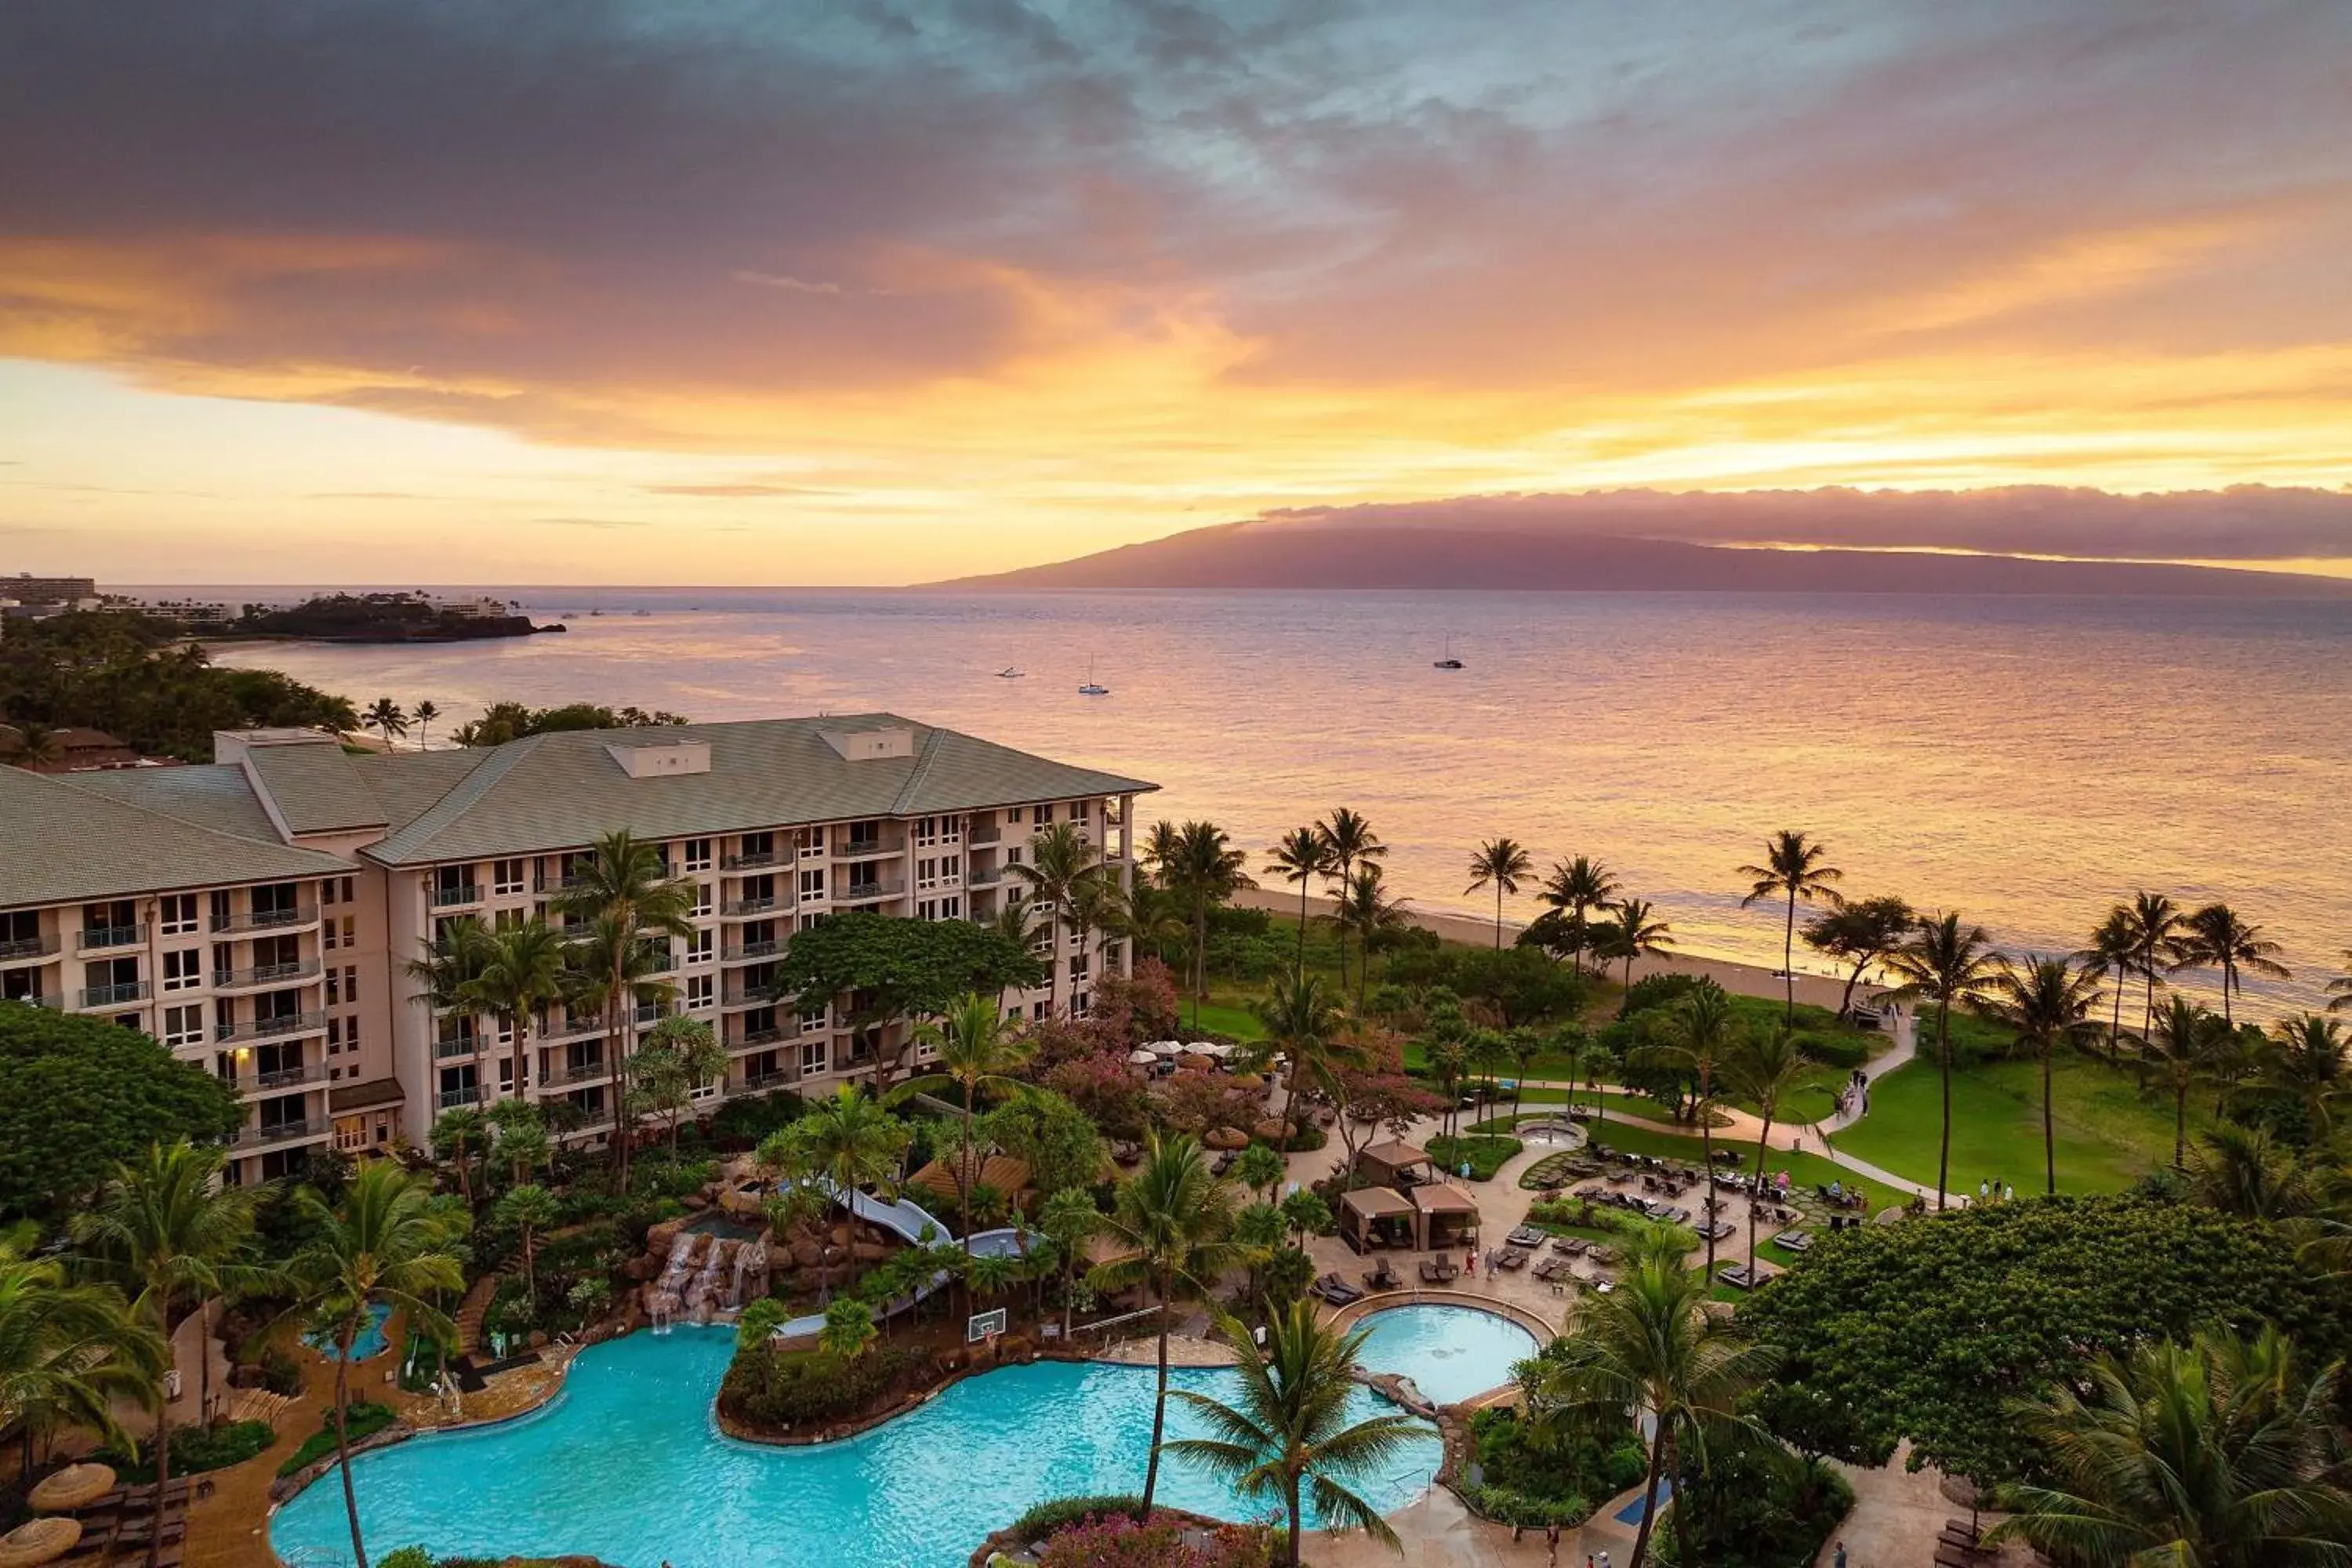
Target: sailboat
column 1449, row 661
column 1010, row 673
column 1092, row 687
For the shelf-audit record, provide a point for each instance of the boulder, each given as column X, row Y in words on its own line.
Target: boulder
column 642, row 1269
column 695, row 1201
column 807, row 1254
column 660, row 1237
column 870, row 1252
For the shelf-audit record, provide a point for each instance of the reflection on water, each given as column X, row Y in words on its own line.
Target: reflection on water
column 2027, row 761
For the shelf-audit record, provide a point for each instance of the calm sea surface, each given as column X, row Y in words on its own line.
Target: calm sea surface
column 2027, row 761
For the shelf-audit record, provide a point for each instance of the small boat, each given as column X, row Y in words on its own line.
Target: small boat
column 1449, row 661
column 1092, row 687
column 1010, row 673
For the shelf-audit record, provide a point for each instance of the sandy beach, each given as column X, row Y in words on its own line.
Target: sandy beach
column 1817, row 987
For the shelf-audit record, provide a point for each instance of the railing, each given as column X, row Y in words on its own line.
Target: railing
column 27, row 947
column 281, row 1132
column 98, row 939
column 757, row 862
column 573, row 1028
column 988, row 879
column 868, row 848
column 745, row 996
column 768, row 1079
column 752, row 950
column 456, row 1046
column 113, row 996
column 563, row 884
column 662, row 960
column 991, row 834
column 266, row 920
column 450, row 1099
column 862, row 892
column 589, row 1073
column 282, row 1078
column 774, row 1034
column 41, row 999
column 651, row 1012
column 450, row 898
column 269, row 1028
column 737, row 909
column 264, row 974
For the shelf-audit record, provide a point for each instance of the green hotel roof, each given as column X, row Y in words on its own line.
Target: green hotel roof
column 71, row 839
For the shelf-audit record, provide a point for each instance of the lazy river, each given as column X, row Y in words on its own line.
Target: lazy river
column 627, row 1465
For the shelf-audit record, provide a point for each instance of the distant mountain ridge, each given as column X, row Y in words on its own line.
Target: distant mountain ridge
column 1338, row 555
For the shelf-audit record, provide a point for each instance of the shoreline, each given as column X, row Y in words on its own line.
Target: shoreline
column 1739, row 978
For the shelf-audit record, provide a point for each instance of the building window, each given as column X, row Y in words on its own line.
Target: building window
column 700, row 947
column 700, row 992
column 1012, row 816
column 927, row 909
column 1081, row 1002
column 810, row 841
column 1045, row 814
column 1077, row 967
column 184, row 970
column 812, row 1056
column 702, row 898
column 951, row 909
column 697, row 854
column 1038, row 1011
column 350, row 924
column 927, row 874
column 184, row 1025
column 813, row 883
column 352, row 984
column 175, row 914
column 812, row 1021
column 507, row 876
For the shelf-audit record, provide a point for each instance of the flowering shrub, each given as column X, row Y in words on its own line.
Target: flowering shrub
column 1121, row 1543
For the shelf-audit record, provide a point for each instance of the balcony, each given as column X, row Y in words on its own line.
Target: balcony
column 98, row 939
column 662, row 960
column 267, row 920
column 756, row 1081
column 870, row 892
column 991, row 834
column 456, row 1046
column 264, row 975
column 41, row 999
column 752, row 909
column 281, row 1132
column 456, row 896
column 573, row 1029
column 450, row 1099
column 990, row 878
column 761, row 860
column 745, row 996
column 564, row 883
column 868, row 848
column 752, row 952
column 271, row 1028
column 113, row 996
column 279, row 1081
column 28, row 949
column 773, row 1035
column 591, row 1072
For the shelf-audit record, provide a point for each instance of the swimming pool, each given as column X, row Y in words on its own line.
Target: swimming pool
column 1449, row 1353
column 628, row 1465
column 369, row 1343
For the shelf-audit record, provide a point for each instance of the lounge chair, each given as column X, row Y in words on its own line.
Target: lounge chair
column 1527, row 1236
column 1511, row 1257
column 1794, row 1240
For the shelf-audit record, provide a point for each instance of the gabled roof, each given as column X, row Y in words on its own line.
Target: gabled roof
column 68, row 842
column 316, row 789
column 211, row 795
column 554, row 791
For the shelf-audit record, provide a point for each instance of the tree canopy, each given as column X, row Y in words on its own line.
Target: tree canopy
column 78, row 1096
column 899, row 968
column 1928, row 1329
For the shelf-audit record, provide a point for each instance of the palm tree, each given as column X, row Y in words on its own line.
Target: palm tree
column 2113, row 949
column 457, row 1132
column 2217, row 937
column 529, row 1211
column 2306, row 1061
column 1639, row 932
column 1702, row 1035
column 164, row 1229
column 1304, row 1026
column 846, row 1142
column 392, row 1242
column 384, row 714
column 68, row 1351
column 1286, row 1429
column 1652, row 1346
column 1300, row 857
column 36, row 744
column 1178, row 1220
column 1353, row 846
column 1578, row 887
column 1061, row 860
column 1259, row 1169
column 848, row 1328
column 2181, row 1047
column 2048, row 1002
column 2158, row 934
column 1203, row 869
column 1499, row 864
column 1794, row 867
column 1951, row 966
column 1449, row 1058
column 2209, row 1455
column 1366, row 909
column 2247, row 1172
column 1069, row 1220
column 1766, row 1068
column 521, row 973
column 2339, row 990
column 978, row 1055
column 426, row 711
column 622, row 890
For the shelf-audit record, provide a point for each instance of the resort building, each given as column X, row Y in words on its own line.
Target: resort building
column 259, row 914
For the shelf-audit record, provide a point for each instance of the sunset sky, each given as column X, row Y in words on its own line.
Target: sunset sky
column 875, row 291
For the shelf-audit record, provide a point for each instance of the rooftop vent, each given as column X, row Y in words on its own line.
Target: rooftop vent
column 661, row 759
column 865, row 745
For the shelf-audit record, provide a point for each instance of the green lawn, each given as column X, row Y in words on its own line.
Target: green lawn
column 1615, row 1101
column 1222, row 1019
column 2107, row 1135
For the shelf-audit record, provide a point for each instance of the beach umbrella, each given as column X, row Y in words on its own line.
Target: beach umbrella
column 1139, row 1056
column 42, row 1541
column 76, row 1486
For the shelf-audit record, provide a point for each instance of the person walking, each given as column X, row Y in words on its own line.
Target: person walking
column 1839, row 1560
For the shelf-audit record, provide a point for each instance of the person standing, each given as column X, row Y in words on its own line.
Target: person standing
column 1839, row 1560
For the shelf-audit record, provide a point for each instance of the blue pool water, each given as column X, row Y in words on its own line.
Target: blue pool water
column 628, row 1466
column 1449, row 1353
column 369, row 1343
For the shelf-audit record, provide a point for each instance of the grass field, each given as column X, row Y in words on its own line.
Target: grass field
column 2107, row 1135
column 1806, row 1171
column 1224, row 1018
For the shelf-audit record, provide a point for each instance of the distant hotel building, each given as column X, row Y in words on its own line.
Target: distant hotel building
column 257, row 915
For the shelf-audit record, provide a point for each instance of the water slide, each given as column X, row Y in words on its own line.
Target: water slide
column 914, row 1225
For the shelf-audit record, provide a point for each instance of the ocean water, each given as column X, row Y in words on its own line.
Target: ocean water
column 2025, row 761
column 629, row 1467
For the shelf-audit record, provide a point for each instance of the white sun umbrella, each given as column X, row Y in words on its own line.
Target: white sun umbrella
column 1140, row 1058
column 1165, row 1047
column 1212, row 1048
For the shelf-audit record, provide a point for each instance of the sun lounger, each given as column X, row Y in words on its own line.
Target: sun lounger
column 1794, row 1240
column 1569, row 1246
column 1527, row 1236
column 1512, row 1257
column 1438, row 1273
column 1738, row 1275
